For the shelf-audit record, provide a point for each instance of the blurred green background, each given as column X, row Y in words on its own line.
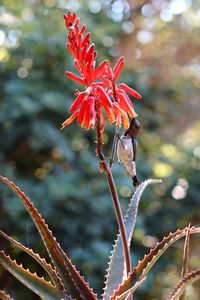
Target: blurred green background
column 59, row 170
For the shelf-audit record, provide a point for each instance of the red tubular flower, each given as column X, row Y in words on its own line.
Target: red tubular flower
column 127, row 105
column 75, row 77
column 129, row 90
column 100, row 88
column 124, row 116
column 70, row 120
column 77, row 102
column 118, row 68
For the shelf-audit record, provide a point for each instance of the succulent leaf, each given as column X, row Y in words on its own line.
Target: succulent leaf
column 47, row 267
column 144, row 266
column 184, row 283
column 131, row 290
column 73, row 282
column 116, row 270
column 5, row 296
column 38, row 285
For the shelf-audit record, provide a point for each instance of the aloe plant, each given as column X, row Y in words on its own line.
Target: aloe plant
column 122, row 279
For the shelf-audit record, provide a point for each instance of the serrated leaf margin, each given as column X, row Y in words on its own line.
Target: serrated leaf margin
column 72, row 280
column 188, row 279
column 144, row 266
column 116, row 265
column 37, row 284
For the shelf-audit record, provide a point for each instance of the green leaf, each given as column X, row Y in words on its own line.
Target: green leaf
column 184, row 283
column 115, row 272
column 5, row 296
column 38, row 285
column 73, row 282
column 47, row 267
column 144, row 266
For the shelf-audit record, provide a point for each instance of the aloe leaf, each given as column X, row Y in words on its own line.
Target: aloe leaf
column 144, row 266
column 116, row 269
column 47, row 267
column 131, row 290
column 5, row 296
column 186, row 248
column 184, row 283
column 38, row 285
column 73, row 282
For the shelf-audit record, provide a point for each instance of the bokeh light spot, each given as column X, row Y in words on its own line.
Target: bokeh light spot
column 179, row 6
column 166, row 15
column 149, row 241
column 94, row 6
column 27, row 14
column 196, row 152
column 22, row 72
column 4, row 56
column 162, row 169
column 2, row 37
column 40, row 173
column 57, row 153
column 127, row 27
column 144, row 37
column 125, row 191
column 178, row 192
column 27, row 63
column 108, row 41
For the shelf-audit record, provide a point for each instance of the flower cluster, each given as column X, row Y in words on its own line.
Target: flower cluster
column 100, row 88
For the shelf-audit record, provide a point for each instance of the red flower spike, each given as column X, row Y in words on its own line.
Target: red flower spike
column 75, row 77
column 70, row 119
column 96, row 92
column 77, row 102
column 129, row 90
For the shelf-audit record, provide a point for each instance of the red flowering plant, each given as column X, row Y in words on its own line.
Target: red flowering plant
column 100, row 87
column 101, row 99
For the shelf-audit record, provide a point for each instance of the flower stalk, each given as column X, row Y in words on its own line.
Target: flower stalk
column 113, row 190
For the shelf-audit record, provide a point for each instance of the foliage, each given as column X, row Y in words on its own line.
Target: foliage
column 66, row 280
column 32, row 149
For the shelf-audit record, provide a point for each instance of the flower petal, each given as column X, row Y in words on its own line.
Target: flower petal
column 75, row 77
column 122, row 113
column 77, row 102
column 99, row 70
column 129, row 90
column 70, row 119
column 126, row 105
column 105, row 99
column 82, row 111
column 118, row 68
